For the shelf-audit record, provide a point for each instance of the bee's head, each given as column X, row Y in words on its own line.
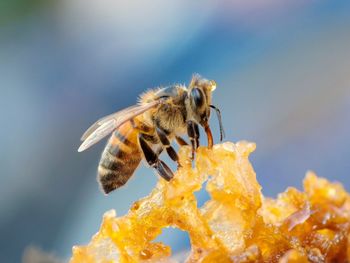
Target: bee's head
column 199, row 99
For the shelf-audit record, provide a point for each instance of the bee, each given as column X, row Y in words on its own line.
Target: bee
column 144, row 130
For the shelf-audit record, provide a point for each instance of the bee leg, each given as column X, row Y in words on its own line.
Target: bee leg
column 159, row 151
column 152, row 159
column 193, row 134
column 166, row 143
column 164, row 170
column 181, row 141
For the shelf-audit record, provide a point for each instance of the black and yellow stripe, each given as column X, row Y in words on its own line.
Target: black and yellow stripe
column 120, row 158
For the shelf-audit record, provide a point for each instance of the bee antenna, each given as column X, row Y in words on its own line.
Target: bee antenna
column 218, row 114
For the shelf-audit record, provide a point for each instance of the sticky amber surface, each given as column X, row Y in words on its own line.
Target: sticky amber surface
column 236, row 225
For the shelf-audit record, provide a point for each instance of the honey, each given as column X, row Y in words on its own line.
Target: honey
column 237, row 224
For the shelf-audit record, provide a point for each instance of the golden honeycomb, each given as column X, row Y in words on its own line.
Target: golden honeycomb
column 238, row 224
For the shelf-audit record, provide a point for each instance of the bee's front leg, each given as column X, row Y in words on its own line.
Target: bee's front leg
column 153, row 160
column 193, row 134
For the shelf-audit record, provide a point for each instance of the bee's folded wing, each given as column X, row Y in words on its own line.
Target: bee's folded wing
column 107, row 124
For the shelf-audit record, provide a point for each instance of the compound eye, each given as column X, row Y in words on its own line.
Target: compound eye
column 197, row 97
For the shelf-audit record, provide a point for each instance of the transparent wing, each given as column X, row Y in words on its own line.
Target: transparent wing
column 107, row 124
column 105, row 119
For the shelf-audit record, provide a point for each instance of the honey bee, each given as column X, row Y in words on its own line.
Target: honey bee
column 147, row 128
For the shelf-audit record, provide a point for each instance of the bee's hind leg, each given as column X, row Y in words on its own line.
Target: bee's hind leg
column 153, row 160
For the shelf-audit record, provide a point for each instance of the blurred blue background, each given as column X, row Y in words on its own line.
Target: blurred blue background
column 283, row 74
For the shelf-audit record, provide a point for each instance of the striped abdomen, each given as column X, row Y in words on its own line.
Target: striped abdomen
column 120, row 158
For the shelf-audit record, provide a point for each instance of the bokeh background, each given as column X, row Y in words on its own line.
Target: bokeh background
column 283, row 74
